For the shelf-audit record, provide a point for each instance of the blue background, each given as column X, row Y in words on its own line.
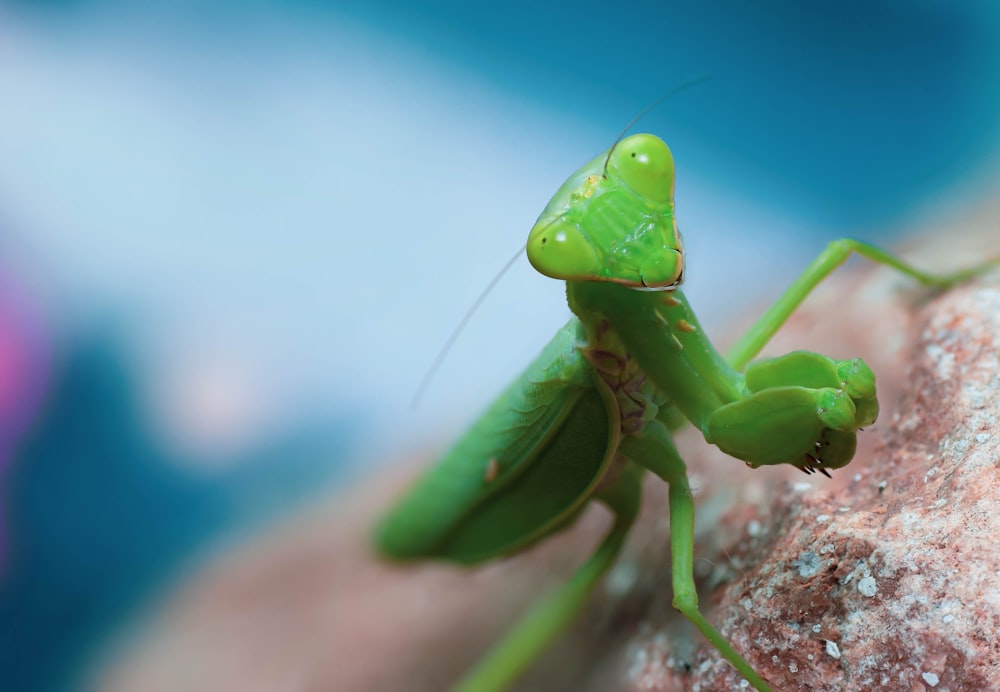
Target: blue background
column 253, row 224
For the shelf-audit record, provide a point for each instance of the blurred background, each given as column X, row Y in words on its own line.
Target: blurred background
column 233, row 236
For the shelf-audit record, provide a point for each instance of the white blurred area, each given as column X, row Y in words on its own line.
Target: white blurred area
column 290, row 218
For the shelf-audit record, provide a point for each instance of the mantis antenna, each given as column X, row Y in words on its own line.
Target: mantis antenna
column 453, row 337
column 694, row 81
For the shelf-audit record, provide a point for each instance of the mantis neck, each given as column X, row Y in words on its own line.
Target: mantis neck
column 660, row 332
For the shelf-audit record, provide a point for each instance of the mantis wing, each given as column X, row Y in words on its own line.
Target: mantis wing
column 522, row 470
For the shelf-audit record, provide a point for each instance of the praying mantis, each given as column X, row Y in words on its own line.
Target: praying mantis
column 597, row 408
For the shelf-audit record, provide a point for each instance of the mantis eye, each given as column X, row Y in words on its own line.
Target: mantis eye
column 558, row 249
column 645, row 164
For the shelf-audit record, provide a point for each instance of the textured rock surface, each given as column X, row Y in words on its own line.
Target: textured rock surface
column 885, row 577
column 892, row 581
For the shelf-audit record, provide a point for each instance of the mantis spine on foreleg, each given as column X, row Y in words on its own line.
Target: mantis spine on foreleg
column 595, row 410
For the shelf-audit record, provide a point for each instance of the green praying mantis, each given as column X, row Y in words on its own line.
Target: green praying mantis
column 596, row 409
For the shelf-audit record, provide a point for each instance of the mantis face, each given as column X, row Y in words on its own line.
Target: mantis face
column 613, row 221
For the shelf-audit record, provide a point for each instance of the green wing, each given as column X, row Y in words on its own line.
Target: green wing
column 521, row 471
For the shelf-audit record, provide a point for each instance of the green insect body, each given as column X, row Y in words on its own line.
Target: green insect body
column 553, row 414
column 596, row 409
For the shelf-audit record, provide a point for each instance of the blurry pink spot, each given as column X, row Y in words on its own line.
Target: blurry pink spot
column 24, row 363
column 15, row 368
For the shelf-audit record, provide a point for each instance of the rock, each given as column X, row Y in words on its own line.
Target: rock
column 884, row 576
column 890, row 581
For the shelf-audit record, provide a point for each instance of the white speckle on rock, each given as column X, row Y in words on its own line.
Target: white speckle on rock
column 832, row 650
column 753, row 528
column 982, row 437
column 867, row 586
column 947, row 618
column 822, row 518
column 856, row 478
column 801, row 486
column 945, row 361
column 882, row 485
column 817, row 627
column 793, row 667
column 808, row 563
column 931, row 679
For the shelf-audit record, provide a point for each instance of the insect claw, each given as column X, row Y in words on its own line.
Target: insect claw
column 825, row 473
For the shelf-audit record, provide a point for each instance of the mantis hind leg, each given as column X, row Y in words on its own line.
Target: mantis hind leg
column 656, row 451
column 506, row 661
column 835, row 254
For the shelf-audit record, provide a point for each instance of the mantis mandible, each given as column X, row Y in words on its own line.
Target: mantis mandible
column 596, row 409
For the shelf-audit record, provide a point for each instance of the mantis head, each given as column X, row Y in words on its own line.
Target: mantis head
column 613, row 221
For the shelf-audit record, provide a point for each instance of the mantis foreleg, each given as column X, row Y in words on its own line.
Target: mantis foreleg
column 519, row 648
column 835, row 254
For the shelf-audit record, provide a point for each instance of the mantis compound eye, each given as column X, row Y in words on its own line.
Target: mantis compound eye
column 645, row 164
column 559, row 250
